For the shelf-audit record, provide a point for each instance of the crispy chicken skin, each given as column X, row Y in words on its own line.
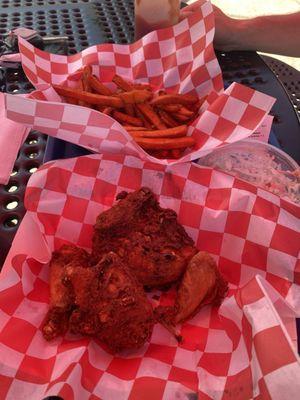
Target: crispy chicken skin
column 149, row 238
column 200, row 285
column 136, row 243
column 61, row 298
column 104, row 300
column 110, row 304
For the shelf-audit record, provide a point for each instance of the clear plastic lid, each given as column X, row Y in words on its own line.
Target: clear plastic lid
column 259, row 163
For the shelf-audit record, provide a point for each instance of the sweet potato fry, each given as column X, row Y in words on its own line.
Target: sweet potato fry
column 108, row 110
column 129, row 109
column 178, row 131
column 110, row 101
column 135, row 96
column 127, row 119
column 165, row 143
column 170, row 107
column 98, row 86
column 151, row 115
column 167, row 119
column 80, row 87
column 144, row 86
column 157, row 122
column 184, row 111
column 147, row 124
column 86, row 73
column 131, row 128
column 121, row 83
column 184, row 99
column 180, row 117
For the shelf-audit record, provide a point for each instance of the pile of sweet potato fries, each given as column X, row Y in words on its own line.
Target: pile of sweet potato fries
column 158, row 122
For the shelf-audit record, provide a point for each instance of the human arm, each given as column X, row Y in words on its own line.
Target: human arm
column 277, row 34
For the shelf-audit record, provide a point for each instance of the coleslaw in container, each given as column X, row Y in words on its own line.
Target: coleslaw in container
column 258, row 163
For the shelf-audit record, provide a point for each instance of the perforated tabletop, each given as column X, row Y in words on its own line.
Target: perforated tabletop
column 85, row 22
column 88, row 22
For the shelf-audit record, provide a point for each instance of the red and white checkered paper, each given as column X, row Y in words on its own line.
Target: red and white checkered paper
column 179, row 59
column 244, row 350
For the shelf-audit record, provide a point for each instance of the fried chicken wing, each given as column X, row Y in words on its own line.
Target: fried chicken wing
column 147, row 237
column 110, row 304
column 200, row 285
column 60, row 295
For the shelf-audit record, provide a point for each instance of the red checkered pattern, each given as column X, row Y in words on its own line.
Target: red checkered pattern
column 226, row 120
column 180, row 59
column 241, row 351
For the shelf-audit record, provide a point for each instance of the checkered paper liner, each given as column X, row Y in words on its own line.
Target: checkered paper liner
column 243, row 350
column 179, row 59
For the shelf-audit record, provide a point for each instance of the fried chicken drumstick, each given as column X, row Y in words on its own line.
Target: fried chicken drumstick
column 200, row 285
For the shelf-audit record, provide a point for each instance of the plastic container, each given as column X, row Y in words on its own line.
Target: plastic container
column 258, row 163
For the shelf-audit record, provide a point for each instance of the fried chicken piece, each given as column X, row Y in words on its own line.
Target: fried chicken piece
column 61, row 298
column 110, row 304
column 201, row 284
column 147, row 237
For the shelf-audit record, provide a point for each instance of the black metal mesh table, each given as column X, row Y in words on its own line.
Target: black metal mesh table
column 88, row 22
